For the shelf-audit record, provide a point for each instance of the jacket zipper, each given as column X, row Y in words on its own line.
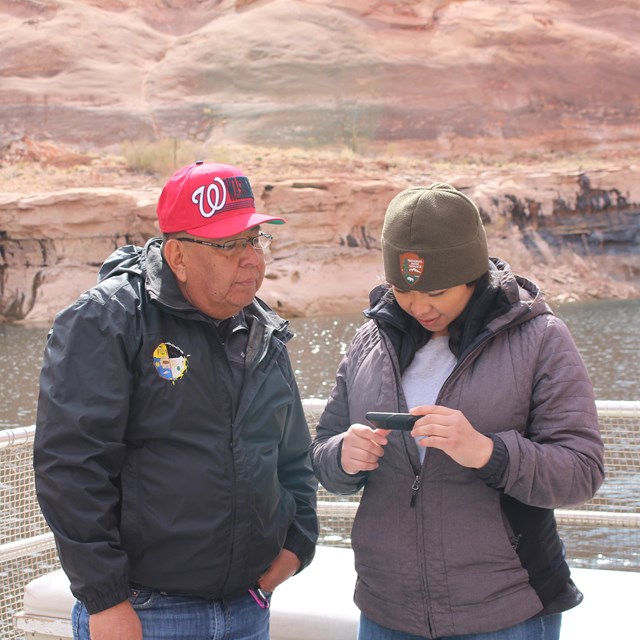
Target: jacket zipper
column 415, row 487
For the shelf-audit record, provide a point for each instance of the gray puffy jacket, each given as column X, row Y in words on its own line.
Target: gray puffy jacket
column 445, row 550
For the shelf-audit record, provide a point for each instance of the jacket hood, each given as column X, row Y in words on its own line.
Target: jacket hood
column 160, row 282
column 148, row 264
column 523, row 298
column 127, row 259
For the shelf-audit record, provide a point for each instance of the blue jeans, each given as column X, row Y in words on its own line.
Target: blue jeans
column 169, row 617
column 541, row 628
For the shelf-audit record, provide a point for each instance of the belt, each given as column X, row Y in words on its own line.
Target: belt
column 188, row 594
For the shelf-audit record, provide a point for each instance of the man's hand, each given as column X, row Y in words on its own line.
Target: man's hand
column 362, row 447
column 448, row 430
column 116, row 623
column 283, row 567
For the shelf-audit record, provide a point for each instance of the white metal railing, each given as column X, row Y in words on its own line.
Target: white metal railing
column 27, row 548
column 618, row 408
column 13, row 437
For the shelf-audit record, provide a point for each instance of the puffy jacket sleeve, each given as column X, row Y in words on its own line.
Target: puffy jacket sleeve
column 78, row 451
column 559, row 462
column 333, row 424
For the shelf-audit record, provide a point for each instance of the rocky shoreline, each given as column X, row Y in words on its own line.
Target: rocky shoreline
column 62, row 214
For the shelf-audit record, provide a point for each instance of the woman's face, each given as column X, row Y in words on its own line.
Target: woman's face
column 435, row 310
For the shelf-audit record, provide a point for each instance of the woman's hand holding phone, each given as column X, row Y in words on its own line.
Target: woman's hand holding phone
column 450, row 431
column 362, row 447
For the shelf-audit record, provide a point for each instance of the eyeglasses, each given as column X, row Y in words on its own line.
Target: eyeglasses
column 259, row 242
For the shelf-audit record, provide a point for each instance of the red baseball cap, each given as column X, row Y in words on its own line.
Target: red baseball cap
column 209, row 200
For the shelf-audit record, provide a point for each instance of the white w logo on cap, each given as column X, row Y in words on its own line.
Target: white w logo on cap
column 198, row 197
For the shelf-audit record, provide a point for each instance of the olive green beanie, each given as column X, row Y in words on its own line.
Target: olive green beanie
column 433, row 239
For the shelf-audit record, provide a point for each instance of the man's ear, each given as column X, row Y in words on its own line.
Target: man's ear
column 174, row 254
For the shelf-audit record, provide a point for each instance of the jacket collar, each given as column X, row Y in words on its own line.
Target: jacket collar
column 162, row 287
column 148, row 264
column 501, row 300
column 160, row 282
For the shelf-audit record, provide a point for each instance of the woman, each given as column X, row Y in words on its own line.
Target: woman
column 455, row 533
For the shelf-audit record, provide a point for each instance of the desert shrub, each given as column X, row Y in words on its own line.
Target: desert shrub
column 159, row 156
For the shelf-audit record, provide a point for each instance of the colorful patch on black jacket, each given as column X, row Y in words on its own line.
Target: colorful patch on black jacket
column 170, row 361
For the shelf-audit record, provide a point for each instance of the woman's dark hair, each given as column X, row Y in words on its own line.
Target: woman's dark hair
column 487, row 302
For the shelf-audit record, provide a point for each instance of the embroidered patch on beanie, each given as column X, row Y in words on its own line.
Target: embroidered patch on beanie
column 411, row 267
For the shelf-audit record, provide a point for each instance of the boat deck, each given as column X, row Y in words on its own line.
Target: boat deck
column 318, row 604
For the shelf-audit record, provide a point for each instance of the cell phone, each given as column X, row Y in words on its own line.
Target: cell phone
column 384, row 420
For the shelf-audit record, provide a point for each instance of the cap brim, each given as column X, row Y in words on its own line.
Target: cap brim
column 232, row 225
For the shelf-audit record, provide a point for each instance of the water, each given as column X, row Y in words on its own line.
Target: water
column 607, row 334
column 21, row 350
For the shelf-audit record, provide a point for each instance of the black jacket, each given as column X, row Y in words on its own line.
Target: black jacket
column 145, row 470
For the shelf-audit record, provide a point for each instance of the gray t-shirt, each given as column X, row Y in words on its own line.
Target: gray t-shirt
column 424, row 377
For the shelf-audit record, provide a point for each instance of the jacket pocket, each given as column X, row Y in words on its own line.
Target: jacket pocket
column 514, row 538
column 143, row 598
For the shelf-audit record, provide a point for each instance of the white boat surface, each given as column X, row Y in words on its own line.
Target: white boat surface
column 317, row 604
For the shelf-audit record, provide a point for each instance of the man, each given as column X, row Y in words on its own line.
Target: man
column 171, row 451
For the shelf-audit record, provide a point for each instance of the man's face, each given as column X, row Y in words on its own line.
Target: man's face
column 217, row 281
